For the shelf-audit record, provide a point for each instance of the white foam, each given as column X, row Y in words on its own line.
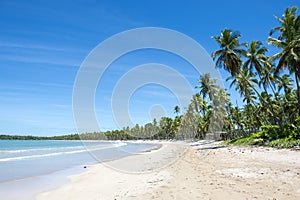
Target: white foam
column 39, row 155
column 38, row 149
column 115, row 145
column 120, row 144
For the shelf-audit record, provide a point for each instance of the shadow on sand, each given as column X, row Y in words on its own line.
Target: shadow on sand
column 208, row 145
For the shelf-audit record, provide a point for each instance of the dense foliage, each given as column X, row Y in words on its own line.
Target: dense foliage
column 273, row 136
column 269, row 85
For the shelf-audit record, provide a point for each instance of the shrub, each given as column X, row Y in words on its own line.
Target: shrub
column 284, row 143
column 273, row 136
column 297, row 122
column 272, row 132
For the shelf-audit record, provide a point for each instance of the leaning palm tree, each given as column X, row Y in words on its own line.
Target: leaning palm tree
column 244, row 83
column 289, row 43
column 230, row 52
column 268, row 78
column 256, row 59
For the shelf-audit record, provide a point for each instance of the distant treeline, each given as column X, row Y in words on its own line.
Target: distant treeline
column 109, row 135
column 167, row 128
column 29, row 137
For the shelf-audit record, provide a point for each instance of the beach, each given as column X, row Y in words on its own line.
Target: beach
column 200, row 170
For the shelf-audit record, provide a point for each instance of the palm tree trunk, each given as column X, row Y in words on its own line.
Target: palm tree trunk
column 276, row 97
column 269, row 106
column 285, row 118
column 298, row 91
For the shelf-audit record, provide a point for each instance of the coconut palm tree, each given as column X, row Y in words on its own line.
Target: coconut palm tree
column 219, row 110
column 255, row 56
column 256, row 59
column 230, row 52
column 289, row 43
column 243, row 82
column 289, row 105
column 207, row 86
column 285, row 83
column 268, row 78
column 236, row 118
column 176, row 110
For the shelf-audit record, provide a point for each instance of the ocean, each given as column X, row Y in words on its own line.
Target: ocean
column 33, row 166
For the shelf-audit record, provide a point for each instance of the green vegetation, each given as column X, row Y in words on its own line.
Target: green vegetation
column 29, row 137
column 268, row 85
column 260, row 80
column 272, row 136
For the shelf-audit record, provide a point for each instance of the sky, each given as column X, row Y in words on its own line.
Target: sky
column 44, row 43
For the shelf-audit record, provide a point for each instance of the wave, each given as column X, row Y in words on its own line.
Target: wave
column 120, row 144
column 39, row 155
column 38, row 149
column 58, row 153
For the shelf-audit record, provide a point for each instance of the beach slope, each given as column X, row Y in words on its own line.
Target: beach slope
column 202, row 170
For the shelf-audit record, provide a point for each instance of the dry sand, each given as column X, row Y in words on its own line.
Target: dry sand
column 202, row 170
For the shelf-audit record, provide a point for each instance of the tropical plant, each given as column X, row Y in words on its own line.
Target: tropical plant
column 255, row 56
column 176, row 110
column 230, row 52
column 207, row 86
column 288, row 41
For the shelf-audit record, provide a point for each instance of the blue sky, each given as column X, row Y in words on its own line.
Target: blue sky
column 43, row 43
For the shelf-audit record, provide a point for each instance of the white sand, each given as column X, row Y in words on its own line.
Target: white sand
column 204, row 171
column 126, row 177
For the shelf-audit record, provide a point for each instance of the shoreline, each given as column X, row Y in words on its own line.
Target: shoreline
column 205, row 170
column 140, row 168
column 30, row 186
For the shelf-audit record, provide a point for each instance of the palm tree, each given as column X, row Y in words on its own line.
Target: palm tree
column 229, row 54
column 268, row 78
column 250, row 120
column 257, row 59
column 177, row 110
column 236, row 118
column 207, row 86
column 219, row 110
column 243, row 82
column 189, row 123
column 285, row 83
column 255, row 56
column 289, row 43
column 289, row 105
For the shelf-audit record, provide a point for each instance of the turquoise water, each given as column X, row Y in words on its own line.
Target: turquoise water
column 21, row 159
column 29, row 167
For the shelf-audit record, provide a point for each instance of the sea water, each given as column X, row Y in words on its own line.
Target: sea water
column 39, row 165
